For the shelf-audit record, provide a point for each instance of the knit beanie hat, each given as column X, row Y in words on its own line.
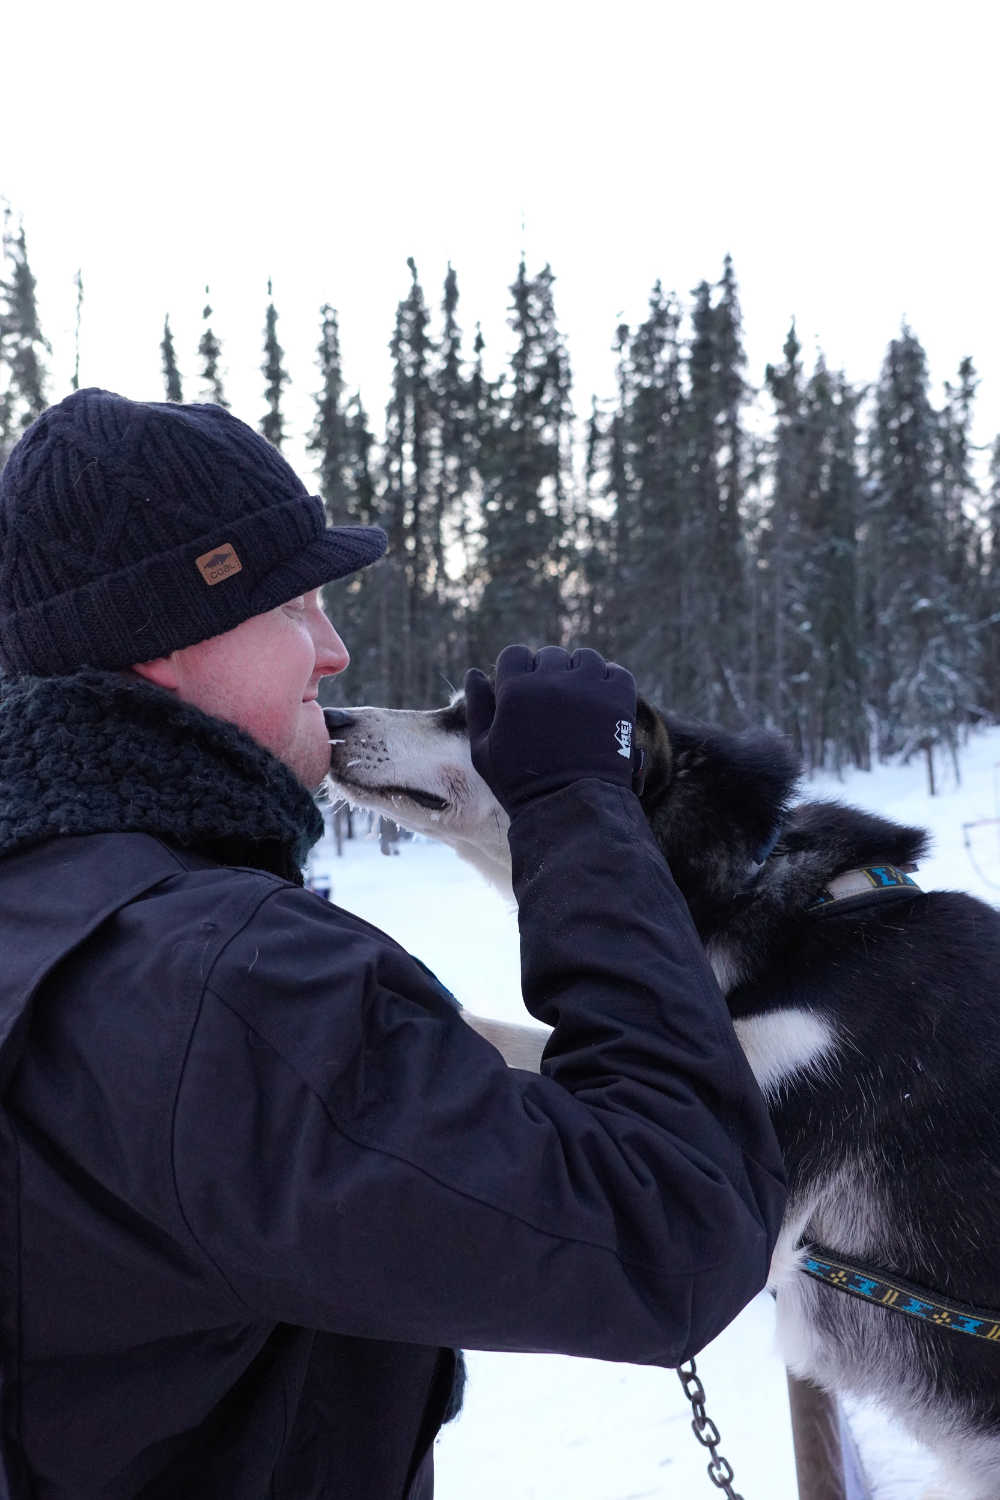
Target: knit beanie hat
column 131, row 529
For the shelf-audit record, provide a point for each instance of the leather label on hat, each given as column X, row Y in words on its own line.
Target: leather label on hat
column 218, row 564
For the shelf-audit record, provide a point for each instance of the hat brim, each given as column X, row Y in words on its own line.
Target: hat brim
column 336, row 553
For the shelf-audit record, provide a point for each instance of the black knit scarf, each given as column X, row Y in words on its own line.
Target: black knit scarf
column 100, row 752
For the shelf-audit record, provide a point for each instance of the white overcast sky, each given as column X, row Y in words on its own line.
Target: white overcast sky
column 844, row 153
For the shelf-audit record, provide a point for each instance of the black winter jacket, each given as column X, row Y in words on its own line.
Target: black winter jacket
column 258, row 1178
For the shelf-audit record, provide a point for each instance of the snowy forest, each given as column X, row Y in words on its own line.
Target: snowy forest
column 806, row 554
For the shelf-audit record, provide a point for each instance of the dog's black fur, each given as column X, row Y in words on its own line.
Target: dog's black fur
column 890, row 1128
column 892, row 1145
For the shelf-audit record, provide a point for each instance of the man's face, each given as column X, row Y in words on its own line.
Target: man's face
column 264, row 677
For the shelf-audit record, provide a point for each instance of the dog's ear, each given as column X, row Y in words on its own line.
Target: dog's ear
column 452, row 719
column 717, row 810
column 850, row 837
column 654, row 742
column 745, row 780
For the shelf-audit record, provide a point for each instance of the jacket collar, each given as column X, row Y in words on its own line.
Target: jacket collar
column 100, row 752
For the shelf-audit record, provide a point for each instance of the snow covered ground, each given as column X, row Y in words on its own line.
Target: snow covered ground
column 544, row 1427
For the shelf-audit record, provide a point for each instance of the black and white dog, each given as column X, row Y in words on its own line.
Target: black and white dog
column 873, row 1030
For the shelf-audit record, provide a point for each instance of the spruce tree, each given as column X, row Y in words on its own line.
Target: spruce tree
column 714, row 600
column 959, row 492
column 835, row 728
column 484, row 405
column 330, row 435
column 455, row 397
column 451, row 407
column 171, row 374
column 23, row 348
column 410, row 613
column 483, row 396
column 78, row 283
column 781, row 541
column 362, row 485
column 344, row 446
column 594, row 441
column 522, row 461
column 925, row 652
column 651, row 534
column 732, row 393
column 808, row 572
column 273, row 422
column 591, row 599
column 210, row 350
column 990, row 607
column 633, row 557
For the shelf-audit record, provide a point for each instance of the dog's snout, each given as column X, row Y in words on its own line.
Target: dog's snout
column 337, row 718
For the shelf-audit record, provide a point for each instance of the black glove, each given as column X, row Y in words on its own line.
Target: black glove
column 550, row 720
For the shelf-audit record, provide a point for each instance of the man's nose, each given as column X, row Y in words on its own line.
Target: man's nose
column 331, row 653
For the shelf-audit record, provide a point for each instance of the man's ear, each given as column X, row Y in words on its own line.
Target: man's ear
column 162, row 670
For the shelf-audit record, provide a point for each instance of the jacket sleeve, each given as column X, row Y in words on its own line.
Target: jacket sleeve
column 353, row 1157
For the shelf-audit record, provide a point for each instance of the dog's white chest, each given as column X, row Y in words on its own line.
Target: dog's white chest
column 779, row 1044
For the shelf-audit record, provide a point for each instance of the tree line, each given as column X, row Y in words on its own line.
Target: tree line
column 832, row 572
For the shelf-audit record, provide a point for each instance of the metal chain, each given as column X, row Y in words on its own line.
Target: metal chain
column 720, row 1470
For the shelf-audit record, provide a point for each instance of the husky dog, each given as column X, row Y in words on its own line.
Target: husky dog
column 873, row 1031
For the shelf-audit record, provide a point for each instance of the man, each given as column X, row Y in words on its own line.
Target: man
column 259, row 1180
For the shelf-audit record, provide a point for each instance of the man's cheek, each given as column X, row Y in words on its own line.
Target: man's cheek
column 273, row 723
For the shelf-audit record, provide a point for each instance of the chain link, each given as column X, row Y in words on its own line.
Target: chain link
column 720, row 1470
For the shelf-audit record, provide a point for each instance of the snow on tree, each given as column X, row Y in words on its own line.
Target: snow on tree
column 924, row 650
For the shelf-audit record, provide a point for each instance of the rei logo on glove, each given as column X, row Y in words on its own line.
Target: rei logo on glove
column 623, row 734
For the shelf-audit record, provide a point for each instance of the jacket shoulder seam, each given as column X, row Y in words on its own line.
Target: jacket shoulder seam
column 246, row 916
column 483, row 1202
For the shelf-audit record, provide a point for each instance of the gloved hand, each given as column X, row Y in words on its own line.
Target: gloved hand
column 549, row 720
